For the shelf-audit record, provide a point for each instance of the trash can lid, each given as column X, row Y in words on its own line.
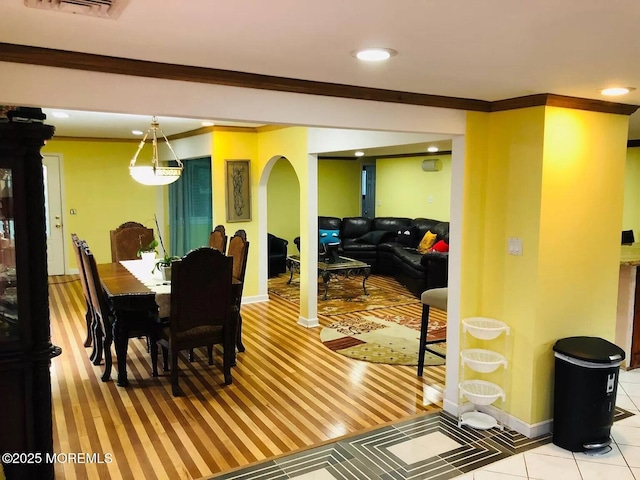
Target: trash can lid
column 590, row 349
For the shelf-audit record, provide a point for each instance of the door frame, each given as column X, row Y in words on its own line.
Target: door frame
column 64, row 252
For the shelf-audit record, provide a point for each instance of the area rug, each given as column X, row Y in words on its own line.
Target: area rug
column 379, row 338
column 345, row 295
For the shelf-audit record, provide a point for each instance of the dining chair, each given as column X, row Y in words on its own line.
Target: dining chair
column 85, row 292
column 201, row 312
column 239, row 250
column 127, row 239
column 102, row 334
column 218, row 239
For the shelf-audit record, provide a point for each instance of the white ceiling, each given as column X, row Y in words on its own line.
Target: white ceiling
column 488, row 50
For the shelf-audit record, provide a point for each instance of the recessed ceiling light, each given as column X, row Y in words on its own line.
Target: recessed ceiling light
column 207, row 123
column 615, row 91
column 432, row 149
column 136, row 132
column 60, row 114
column 374, row 54
column 359, row 154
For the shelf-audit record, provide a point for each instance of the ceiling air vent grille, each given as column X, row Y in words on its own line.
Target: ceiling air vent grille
column 95, row 8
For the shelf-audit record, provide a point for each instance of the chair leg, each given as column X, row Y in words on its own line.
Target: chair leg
column 239, row 343
column 210, row 354
column 423, row 338
column 98, row 342
column 191, row 355
column 175, row 389
column 165, row 359
column 89, row 319
column 154, row 357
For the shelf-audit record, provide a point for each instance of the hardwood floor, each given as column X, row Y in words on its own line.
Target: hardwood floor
column 289, row 392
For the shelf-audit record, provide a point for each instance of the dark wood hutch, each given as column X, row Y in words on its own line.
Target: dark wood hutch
column 25, row 340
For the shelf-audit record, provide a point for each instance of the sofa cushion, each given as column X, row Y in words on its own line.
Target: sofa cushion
column 427, row 242
column 423, row 225
column 408, row 258
column 390, row 223
column 440, row 246
column 329, row 223
column 408, row 237
column 442, row 229
column 354, row 227
column 375, row 237
column 352, row 244
column 329, row 237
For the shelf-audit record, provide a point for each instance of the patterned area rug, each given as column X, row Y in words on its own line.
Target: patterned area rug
column 379, row 338
column 345, row 295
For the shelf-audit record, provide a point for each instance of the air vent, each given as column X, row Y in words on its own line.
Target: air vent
column 94, row 8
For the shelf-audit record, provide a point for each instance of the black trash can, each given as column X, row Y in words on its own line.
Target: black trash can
column 586, row 382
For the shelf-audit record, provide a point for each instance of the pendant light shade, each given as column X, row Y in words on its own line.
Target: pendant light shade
column 154, row 174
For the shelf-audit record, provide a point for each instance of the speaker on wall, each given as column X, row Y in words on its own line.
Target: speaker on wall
column 432, row 165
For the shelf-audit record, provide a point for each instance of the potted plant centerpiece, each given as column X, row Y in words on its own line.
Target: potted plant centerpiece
column 148, row 252
column 164, row 264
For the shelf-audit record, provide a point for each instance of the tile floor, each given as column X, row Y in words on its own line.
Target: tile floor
column 434, row 447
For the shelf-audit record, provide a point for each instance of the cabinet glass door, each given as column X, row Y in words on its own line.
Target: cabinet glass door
column 9, row 327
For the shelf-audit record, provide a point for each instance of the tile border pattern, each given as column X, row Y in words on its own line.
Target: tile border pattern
column 366, row 455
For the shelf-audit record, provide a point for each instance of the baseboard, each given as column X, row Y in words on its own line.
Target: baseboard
column 255, row 299
column 308, row 322
column 528, row 430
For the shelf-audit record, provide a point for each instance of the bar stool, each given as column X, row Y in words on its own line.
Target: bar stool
column 437, row 298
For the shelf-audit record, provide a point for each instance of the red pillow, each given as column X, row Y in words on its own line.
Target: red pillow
column 440, row 246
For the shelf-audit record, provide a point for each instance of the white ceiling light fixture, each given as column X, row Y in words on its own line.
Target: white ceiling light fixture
column 359, row 154
column 374, row 54
column 137, row 132
column 615, row 91
column 207, row 123
column 58, row 114
column 154, row 174
column 432, row 149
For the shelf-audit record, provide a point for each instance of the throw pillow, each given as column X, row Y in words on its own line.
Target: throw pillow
column 407, row 237
column 329, row 237
column 427, row 242
column 440, row 246
column 375, row 237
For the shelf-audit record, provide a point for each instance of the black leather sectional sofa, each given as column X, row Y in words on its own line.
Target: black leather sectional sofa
column 373, row 240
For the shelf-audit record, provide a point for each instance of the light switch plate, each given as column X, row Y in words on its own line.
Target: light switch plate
column 514, row 246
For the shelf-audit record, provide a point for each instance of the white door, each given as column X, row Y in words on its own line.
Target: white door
column 53, row 214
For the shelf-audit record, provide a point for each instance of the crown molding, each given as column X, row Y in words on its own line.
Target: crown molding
column 553, row 100
column 142, row 68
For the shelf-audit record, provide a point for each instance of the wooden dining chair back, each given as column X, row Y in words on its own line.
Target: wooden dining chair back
column 102, row 334
column 85, row 292
column 239, row 251
column 218, row 239
column 127, row 239
column 201, row 310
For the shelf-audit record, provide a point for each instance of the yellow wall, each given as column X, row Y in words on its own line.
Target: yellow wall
column 579, row 278
column 283, row 203
column 339, row 187
column 631, row 212
column 291, row 143
column 536, row 174
column 403, row 189
column 233, row 145
column 96, row 183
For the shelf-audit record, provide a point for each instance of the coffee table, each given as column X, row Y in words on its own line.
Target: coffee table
column 344, row 267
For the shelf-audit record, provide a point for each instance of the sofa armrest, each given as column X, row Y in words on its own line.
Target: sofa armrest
column 436, row 267
column 429, row 257
column 277, row 245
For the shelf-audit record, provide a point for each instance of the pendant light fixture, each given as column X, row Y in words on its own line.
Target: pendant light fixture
column 154, row 174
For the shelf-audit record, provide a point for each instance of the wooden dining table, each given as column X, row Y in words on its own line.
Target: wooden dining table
column 135, row 309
